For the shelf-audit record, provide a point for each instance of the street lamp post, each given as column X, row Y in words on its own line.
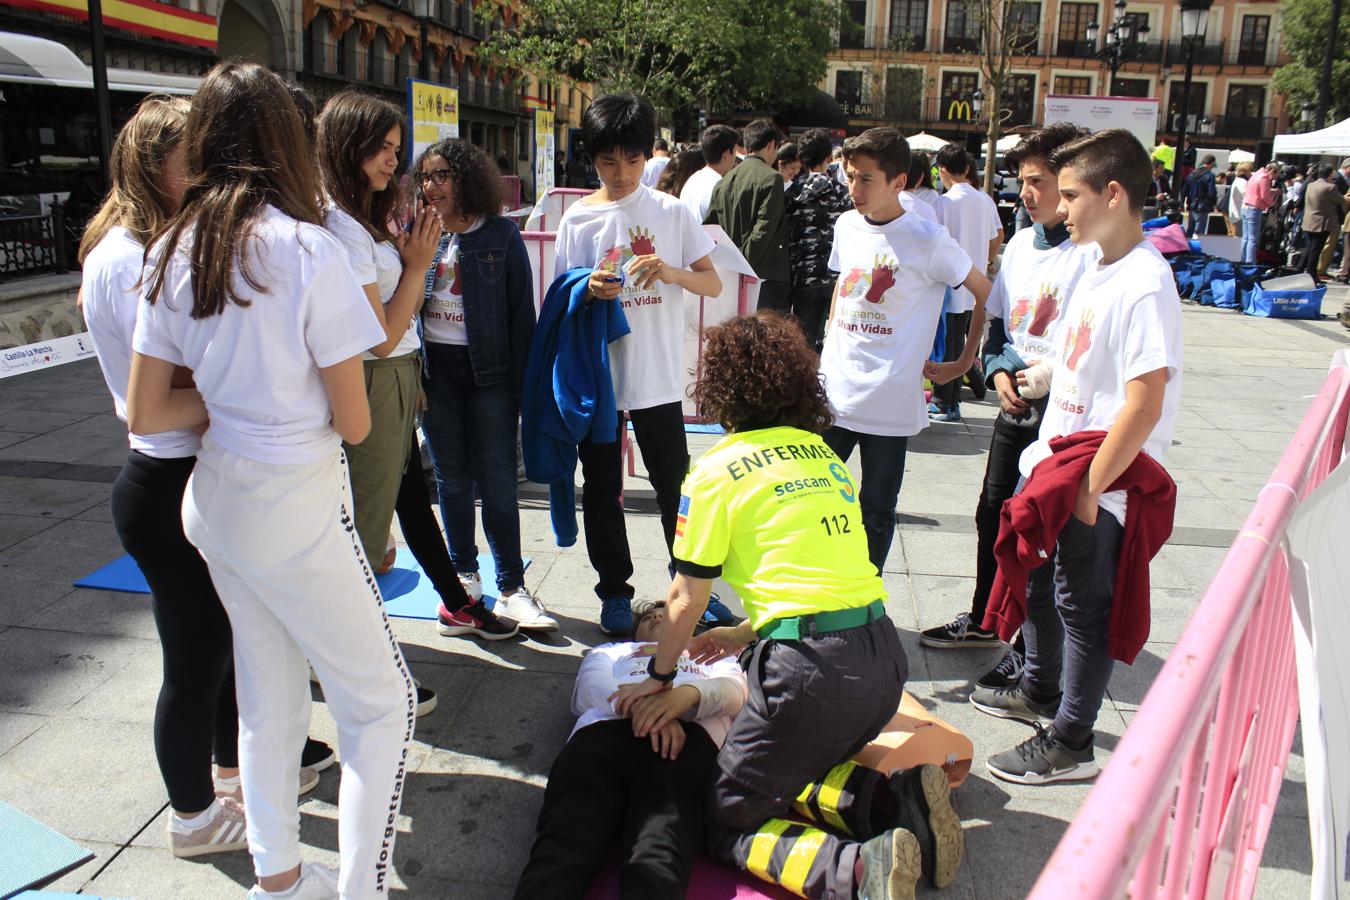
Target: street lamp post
column 1122, row 42
column 102, row 103
column 1306, row 115
column 423, row 10
column 1194, row 19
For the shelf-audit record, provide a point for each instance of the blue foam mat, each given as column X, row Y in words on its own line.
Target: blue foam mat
column 34, row 854
column 697, row 428
column 407, row 590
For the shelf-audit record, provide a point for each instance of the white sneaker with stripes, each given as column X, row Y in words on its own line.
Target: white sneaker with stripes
column 222, row 832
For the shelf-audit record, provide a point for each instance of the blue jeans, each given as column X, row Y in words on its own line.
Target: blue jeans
column 1067, row 631
column 471, row 432
column 1251, row 232
column 883, row 470
column 1197, row 220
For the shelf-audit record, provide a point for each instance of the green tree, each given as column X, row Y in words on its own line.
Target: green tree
column 757, row 54
column 1305, row 27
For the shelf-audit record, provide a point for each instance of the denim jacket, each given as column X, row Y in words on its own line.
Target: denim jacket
column 498, row 300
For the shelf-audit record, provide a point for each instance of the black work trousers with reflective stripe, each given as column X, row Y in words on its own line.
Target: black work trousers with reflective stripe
column 812, row 704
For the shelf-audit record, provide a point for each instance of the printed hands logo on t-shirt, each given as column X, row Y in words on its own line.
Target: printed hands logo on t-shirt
column 448, row 268
column 1046, row 309
column 1077, row 341
column 615, row 258
column 876, row 282
column 640, row 239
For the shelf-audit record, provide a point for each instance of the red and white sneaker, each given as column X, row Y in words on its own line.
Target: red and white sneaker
column 475, row 619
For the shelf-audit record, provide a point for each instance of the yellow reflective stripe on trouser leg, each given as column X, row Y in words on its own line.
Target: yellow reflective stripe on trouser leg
column 800, row 858
column 802, row 805
column 830, row 790
column 761, row 848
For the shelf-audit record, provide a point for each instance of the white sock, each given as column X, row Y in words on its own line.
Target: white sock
column 228, row 783
column 184, row 825
column 290, row 891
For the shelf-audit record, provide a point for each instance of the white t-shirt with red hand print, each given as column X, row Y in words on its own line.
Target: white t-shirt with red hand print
column 892, row 279
column 647, row 365
column 1124, row 321
column 1032, row 291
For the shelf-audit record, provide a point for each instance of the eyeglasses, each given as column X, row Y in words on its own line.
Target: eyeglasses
column 440, row 176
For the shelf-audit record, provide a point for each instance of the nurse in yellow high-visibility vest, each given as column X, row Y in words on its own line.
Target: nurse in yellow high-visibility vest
column 774, row 511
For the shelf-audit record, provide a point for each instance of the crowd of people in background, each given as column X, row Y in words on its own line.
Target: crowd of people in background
column 278, row 321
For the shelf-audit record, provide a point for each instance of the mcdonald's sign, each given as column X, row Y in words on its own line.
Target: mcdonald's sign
column 958, row 111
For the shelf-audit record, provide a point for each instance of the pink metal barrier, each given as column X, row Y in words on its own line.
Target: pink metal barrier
column 1185, row 804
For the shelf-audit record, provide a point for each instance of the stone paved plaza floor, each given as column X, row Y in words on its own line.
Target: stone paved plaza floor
column 79, row 669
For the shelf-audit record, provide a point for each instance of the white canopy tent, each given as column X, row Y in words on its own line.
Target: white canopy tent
column 1241, row 156
column 925, row 142
column 25, row 59
column 1334, row 140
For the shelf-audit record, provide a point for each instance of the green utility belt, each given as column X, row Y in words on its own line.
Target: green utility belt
column 797, row 627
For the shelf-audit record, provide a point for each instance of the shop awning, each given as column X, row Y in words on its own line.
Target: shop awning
column 25, row 59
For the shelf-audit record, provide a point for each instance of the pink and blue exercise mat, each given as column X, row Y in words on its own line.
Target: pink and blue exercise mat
column 406, row 589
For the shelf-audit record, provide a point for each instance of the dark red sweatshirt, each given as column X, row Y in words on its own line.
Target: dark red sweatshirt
column 1032, row 520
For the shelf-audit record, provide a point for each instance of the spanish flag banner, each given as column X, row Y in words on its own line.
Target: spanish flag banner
column 141, row 16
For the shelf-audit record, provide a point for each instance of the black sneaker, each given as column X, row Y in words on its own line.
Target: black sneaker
column 1007, row 673
column 317, row 755
column 426, row 700
column 891, row 863
column 924, row 798
column 1013, row 703
column 1043, row 759
column 475, row 619
column 958, row 634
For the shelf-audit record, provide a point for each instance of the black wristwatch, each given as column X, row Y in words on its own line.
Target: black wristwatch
column 664, row 679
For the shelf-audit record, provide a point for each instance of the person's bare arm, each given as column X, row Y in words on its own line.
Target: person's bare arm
column 154, row 405
column 995, row 245
column 346, row 386
column 1143, row 408
column 685, row 604
column 941, row 373
column 700, row 278
column 417, row 248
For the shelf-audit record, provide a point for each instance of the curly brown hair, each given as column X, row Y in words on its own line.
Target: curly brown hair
column 475, row 180
column 759, row 372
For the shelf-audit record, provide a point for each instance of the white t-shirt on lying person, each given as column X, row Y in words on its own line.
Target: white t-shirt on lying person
column 1033, row 289
column 721, row 686
column 1124, row 321
column 892, row 280
column 110, row 273
column 257, row 366
column 373, row 262
column 647, row 365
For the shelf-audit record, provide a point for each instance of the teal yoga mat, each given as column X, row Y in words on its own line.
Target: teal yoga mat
column 33, row 854
column 407, row 590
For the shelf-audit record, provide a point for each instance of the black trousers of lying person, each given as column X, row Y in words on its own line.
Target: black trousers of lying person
column 608, row 789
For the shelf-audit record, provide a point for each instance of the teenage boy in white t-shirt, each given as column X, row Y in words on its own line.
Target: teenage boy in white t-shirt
column 895, row 269
column 972, row 220
column 1030, row 298
column 646, row 250
column 1118, row 370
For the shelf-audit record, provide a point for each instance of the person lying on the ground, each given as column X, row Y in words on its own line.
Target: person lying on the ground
column 644, row 795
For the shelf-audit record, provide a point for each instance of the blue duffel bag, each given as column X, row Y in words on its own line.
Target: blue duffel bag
column 1213, row 270
column 1303, row 304
column 1224, row 293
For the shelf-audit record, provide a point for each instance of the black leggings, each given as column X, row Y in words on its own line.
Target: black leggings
column 196, row 712
column 423, row 533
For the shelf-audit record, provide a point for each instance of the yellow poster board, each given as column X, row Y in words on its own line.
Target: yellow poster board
column 433, row 111
column 544, row 151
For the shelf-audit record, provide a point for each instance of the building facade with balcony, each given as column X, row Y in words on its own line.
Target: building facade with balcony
column 915, row 64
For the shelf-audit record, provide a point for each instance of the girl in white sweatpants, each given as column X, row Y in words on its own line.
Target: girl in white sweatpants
column 249, row 292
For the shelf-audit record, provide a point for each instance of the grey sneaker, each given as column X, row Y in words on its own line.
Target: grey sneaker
column 924, row 798
column 1013, row 703
column 222, row 834
column 891, row 865
column 1043, row 759
column 309, row 780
